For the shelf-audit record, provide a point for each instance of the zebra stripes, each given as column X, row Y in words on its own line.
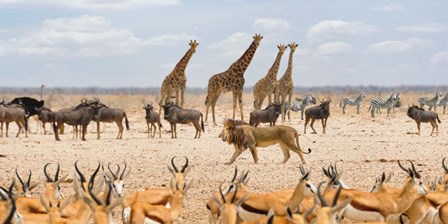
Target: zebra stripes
column 377, row 104
column 430, row 102
column 352, row 102
column 300, row 104
column 443, row 102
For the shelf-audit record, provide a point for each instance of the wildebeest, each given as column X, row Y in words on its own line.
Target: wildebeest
column 45, row 115
column 30, row 104
column 176, row 115
column 420, row 115
column 269, row 114
column 321, row 112
column 13, row 113
column 152, row 118
column 109, row 115
column 81, row 115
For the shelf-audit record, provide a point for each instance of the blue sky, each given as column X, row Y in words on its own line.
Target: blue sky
column 111, row 43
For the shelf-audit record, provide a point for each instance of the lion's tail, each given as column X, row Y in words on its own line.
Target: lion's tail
column 297, row 142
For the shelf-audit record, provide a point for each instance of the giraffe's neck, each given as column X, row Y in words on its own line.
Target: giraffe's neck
column 288, row 72
column 182, row 64
column 243, row 62
column 272, row 73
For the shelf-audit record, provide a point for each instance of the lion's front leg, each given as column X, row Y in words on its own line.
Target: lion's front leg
column 235, row 155
column 253, row 150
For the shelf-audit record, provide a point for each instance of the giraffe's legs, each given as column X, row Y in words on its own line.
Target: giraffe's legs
column 235, row 97
column 282, row 108
column 177, row 96
column 182, row 92
column 289, row 101
column 240, row 101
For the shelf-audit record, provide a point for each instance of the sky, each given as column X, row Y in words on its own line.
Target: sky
column 136, row 43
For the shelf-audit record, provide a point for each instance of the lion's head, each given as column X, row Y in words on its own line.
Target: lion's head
column 233, row 132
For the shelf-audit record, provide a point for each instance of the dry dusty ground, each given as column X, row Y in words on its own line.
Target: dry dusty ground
column 356, row 142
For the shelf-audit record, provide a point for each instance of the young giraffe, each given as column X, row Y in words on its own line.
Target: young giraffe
column 177, row 81
column 265, row 86
column 286, row 85
column 231, row 80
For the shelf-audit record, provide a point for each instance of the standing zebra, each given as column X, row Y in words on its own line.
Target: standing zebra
column 377, row 104
column 444, row 102
column 430, row 102
column 352, row 102
column 300, row 104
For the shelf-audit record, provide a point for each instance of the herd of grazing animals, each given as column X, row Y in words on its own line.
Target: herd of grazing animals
column 93, row 199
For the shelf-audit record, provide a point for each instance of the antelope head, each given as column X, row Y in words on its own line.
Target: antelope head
column 117, row 178
column 26, row 186
column 179, row 175
column 327, row 213
column 413, row 181
column 52, row 189
column 229, row 208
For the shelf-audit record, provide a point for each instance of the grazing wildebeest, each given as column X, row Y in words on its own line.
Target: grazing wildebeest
column 176, row 115
column 269, row 114
column 45, row 115
column 420, row 115
column 109, row 115
column 30, row 104
column 81, row 115
column 321, row 112
column 152, row 118
column 13, row 113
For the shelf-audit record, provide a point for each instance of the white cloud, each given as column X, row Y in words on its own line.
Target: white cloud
column 390, row 7
column 397, row 45
column 94, row 5
column 333, row 48
column 169, row 39
column 79, row 36
column 427, row 28
column 271, row 25
column 328, row 28
column 234, row 41
column 440, row 57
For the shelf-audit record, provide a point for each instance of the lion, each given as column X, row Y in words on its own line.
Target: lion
column 243, row 136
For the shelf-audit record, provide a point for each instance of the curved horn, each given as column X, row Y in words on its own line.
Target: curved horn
column 118, row 170
column 49, row 179
column 336, row 197
column 20, row 179
column 29, row 179
column 185, row 166
column 110, row 170
column 109, row 191
column 234, row 174
column 56, row 176
column 319, row 195
column 91, row 183
column 415, row 171
column 222, row 195
column 402, row 167
column 122, row 174
column 444, row 165
column 174, row 166
column 81, row 176
column 234, row 194
column 302, row 170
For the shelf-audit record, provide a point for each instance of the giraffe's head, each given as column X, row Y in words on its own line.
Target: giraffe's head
column 193, row 44
column 257, row 39
column 282, row 48
column 293, row 46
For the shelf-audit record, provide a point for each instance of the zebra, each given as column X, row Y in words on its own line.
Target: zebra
column 378, row 103
column 352, row 102
column 300, row 104
column 430, row 102
column 443, row 102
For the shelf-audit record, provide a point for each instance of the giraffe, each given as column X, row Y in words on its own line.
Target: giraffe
column 177, row 81
column 231, row 80
column 265, row 86
column 286, row 84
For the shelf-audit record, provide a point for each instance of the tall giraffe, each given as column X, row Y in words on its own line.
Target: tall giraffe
column 177, row 81
column 286, row 85
column 265, row 86
column 231, row 80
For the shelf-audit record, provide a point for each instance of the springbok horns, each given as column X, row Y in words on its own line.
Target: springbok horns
column 176, row 170
column 56, row 176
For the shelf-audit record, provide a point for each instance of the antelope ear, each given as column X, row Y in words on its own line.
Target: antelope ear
column 187, row 170
column 34, row 185
column 271, row 215
column 66, row 203
column 61, row 179
column 219, row 203
column 170, row 169
column 127, row 174
column 242, row 200
column 340, row 206
column 44, row 203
